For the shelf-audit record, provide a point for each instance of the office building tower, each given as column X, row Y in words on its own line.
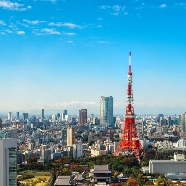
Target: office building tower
column 70, row 136
column 8, row 162
column 82, row 116
column 163, row 121
column 106, row 111
column 63, row 114
column 169, row 121
column 158, row 117
column 183, row 121
column 17, row 115
column 25, row 116
column 10, row 116
column 1, row 124
column 42, row 115
column 53, row 118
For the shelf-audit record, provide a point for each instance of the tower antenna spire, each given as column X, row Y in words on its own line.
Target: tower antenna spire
column 129, row 141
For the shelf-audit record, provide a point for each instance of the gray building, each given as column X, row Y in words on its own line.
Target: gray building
column 183, row 121
column 42, row 114
column 177, row 165
column 106, row 111
column 63, row 114
column 10, row 116
column 8, row 150
column 17, row 115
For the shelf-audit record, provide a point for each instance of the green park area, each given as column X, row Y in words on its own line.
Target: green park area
column 33, row 178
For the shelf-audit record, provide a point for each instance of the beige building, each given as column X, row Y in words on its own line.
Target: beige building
column 70, row 136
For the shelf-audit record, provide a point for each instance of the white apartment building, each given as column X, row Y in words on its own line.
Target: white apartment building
column 8, row 149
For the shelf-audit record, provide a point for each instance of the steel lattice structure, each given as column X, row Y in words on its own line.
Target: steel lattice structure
column 129, row 141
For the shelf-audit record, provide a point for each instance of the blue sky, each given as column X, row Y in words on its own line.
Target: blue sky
column 66, row 54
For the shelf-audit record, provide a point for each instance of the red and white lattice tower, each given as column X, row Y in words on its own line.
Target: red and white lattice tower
column 129, row 141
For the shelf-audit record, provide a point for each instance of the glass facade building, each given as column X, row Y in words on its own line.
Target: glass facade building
column 106, row 111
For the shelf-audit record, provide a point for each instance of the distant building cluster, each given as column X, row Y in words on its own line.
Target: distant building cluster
column 49, row 137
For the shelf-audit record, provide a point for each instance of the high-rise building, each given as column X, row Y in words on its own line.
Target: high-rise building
column 25, row 116
column 17, row 115
column 70, row 136
column 106, row 111
column 169, row 121
column 63, row 114
column 82, row 116
column 183, row 121
column 1, row 124
column 8, row 162
column 42, row 114
column 10, row 116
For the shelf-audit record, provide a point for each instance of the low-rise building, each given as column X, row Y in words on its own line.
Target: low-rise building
column 177, row 165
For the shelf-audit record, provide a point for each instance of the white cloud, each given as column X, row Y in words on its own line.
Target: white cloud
column 13, row 5
column 50, row 31
column 70, row 34
column 29, row 7
column 8, row 31
column 71, row 25
column 103, row 42
column 67, row 24
column 126, row 13
column 2, row 23
column 116, row 8
column 20, row 32
column 180, row 4
column 113, row 10
column 162, row 6
column 34, row 22
column 104, row 7
column 69, row 41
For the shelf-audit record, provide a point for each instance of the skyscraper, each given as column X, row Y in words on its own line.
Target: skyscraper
column 17, row 115
column 1, row 124
column 183, row 121
column 82, row 116
column 10, row 116
column 63, row 114
column 106, row 111
column 8, row 162
column 25, row 116
column 42, row 114
column 70, row 136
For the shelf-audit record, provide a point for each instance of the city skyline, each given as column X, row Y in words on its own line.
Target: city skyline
column 66, row 54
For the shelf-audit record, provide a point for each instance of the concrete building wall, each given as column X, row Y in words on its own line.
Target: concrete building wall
column 77, row 150
column 7, row 159
column 167, row 166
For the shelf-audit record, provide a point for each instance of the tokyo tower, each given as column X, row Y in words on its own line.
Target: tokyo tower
column 129, row 141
